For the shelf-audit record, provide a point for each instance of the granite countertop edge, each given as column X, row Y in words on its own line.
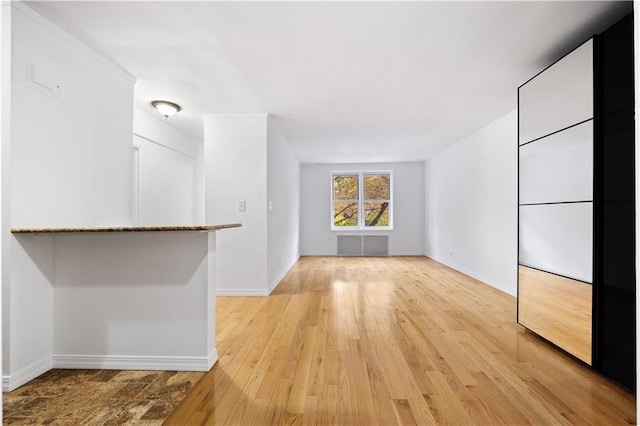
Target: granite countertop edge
column 105, row 229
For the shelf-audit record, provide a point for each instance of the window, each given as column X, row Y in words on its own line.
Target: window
column 361, row 200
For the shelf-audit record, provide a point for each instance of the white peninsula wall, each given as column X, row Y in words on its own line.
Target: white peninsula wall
column 126, row 298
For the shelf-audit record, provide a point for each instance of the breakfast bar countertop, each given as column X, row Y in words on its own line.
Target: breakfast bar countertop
column 180, row 228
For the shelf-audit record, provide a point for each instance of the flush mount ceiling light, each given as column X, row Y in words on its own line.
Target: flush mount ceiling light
column 166, row 108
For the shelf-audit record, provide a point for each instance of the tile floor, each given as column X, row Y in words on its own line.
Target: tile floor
column 98, row 397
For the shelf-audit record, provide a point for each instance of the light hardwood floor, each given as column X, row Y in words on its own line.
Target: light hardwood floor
column 383, row 341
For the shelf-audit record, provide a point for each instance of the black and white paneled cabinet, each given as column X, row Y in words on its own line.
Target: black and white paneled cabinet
column 576, row 272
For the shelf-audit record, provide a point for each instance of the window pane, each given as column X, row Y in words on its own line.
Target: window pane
column 345, row 214
column 376, row 214
column 376, row 187
column 345, row 187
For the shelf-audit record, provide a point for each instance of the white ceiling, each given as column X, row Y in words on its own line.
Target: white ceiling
column 344, row 81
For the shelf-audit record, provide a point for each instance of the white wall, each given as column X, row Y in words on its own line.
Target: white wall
column 170, row 173
column 407, row 237
column 5, row 179
column 471, row 205
column 29, row 308
column 5, row 32
column 247, row 159
column 70, row 155
column 283, row 205
column 235, row 158
column 66, row 162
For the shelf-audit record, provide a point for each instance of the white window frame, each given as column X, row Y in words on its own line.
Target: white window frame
column 361, row 201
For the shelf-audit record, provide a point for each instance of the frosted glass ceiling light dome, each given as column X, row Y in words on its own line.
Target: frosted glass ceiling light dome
column 166, row 108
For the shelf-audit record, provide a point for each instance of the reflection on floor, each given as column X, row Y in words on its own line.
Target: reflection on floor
column 98, row 397
column 385, row 341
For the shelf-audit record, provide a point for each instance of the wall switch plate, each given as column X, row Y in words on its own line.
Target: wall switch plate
column 242, row 206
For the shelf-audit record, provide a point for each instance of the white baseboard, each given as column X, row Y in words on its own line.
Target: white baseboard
column 21, row 377
column 255, row 291
column 486, row 280
column 213, row 358
column 108, row 362
column 391, row 254
column 120, row 362
column 241, row 292
column 406, row 253
column 320, row 253
column 277, row 281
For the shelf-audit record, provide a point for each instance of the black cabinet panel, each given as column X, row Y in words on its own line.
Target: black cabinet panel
column 617, row 161
column 614, row 339
column 615, row 346
column 617, row 249
column 615, row 61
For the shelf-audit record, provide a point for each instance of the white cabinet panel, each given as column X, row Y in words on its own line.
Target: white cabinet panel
column 559, row 97
column 558, row 167
column 558, row 238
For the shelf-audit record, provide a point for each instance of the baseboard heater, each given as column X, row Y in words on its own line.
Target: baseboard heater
column 363, row 245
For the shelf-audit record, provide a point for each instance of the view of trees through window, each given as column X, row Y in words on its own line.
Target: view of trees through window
column 361, row 200
column 346, row 200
